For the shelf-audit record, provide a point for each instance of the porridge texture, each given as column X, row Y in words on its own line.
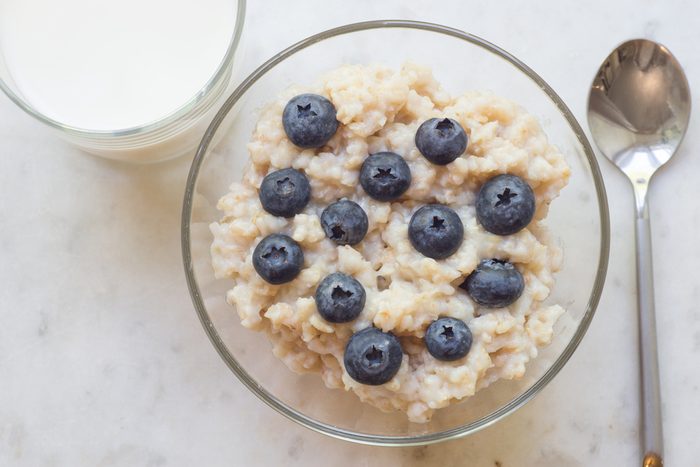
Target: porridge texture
column 380, row 109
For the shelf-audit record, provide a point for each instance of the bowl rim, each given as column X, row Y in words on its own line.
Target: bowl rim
column 169, row 118
column 365, row 438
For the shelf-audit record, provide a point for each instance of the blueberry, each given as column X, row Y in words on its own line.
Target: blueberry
column 385, row 176
column 309, row 120
column 441, row 140
column 340, row 298
column 505, row 204
column 448, row 339
column 285, row 192
column 494, row 283
column 372, row 357
column 436, row 231
column 278, row 259
column 344, row 222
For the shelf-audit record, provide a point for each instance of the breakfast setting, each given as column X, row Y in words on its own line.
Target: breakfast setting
column 244, row 233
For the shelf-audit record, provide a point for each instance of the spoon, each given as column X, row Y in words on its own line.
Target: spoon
column 638, row 111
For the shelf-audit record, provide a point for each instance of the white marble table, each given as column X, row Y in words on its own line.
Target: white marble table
column 103, row 361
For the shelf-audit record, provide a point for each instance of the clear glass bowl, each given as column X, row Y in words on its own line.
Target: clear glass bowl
column 171, row 135
column 460, row 61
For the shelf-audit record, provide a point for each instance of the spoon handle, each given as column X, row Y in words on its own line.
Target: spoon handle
column 652, row 432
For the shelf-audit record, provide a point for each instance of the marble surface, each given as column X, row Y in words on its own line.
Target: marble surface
column 103, row 361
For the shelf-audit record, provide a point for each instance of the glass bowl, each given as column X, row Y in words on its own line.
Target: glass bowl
column 460, row 61
column 171, row 135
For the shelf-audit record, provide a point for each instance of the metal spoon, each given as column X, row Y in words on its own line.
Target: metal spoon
column 638, row 111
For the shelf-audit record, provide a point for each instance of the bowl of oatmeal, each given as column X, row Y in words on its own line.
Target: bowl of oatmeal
column 398, row 244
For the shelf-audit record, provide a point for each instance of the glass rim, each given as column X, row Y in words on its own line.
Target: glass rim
column 365, row 438
column 154, row 125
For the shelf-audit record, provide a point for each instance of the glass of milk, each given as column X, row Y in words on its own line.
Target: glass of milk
column 134, row 80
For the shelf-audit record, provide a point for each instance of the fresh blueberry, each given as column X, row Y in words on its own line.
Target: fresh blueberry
column 436, row 231
column 278, row 259
column 309, row 120
column 494, row 283
column 373, row 357
column 441, row 140
column 340, row 298
column 285, row 192
column 385, row 176
column 505, row 204
column 344, row 222
column 448, row 339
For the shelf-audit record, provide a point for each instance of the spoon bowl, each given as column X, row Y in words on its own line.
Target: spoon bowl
column 639, row 107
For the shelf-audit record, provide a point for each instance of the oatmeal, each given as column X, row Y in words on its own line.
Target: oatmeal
column 379, row 111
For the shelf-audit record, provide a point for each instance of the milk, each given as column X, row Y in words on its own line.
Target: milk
column 108, row 64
